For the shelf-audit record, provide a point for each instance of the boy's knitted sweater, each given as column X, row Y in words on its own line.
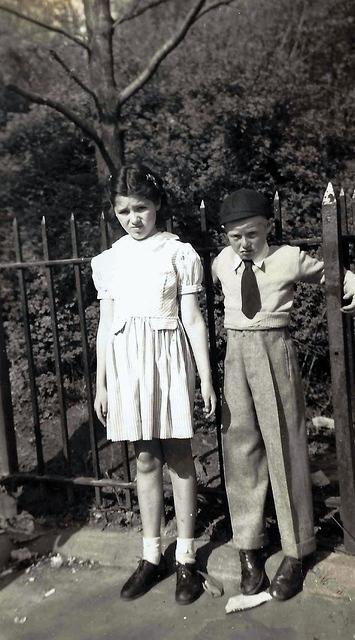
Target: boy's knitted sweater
column 277, row 271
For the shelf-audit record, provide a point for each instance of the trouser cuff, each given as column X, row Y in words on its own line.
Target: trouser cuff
column 251, row 542
column 300, row 549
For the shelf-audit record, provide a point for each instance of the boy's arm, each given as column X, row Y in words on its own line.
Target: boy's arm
column 214, row 271
column 312, row 270
column 349, row 292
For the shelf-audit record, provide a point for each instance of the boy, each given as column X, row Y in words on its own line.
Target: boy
column 264, row 432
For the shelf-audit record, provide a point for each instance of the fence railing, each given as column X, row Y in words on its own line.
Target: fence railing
column 338, row 241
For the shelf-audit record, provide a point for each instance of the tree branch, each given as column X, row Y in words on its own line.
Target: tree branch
column 298, row 32
column 214, row 5
column 161, row 54
column 76, row 79
column 44, row 25
column 85, row 127
column 139, row 12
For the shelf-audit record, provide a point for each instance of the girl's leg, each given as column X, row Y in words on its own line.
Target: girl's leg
column 149, row 487
column 178, row 456
column 152, row 567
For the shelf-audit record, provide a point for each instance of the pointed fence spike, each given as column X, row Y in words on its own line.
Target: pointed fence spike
column 329, row 195
column 72, row 216
column 353, row 196
column 277, row 217
column 203, row 217
column 342, row 193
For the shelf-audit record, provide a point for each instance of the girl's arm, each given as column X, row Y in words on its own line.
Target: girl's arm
column 195, row 328
column 105, row 323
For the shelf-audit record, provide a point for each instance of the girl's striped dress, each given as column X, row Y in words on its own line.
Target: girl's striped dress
column 149, row 367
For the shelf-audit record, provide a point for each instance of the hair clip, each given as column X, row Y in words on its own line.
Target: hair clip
column 152, row 179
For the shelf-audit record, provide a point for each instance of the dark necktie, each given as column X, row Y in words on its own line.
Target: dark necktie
column 251, row 302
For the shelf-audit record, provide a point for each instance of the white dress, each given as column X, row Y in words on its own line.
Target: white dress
column 149, row 367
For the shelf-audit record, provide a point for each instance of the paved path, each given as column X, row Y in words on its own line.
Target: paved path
column 86, row 606
column 85, row 603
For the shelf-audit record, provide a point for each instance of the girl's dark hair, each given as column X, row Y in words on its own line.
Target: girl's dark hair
column 138, row 180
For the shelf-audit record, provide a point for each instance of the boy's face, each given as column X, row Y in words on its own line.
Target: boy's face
column 247, row 237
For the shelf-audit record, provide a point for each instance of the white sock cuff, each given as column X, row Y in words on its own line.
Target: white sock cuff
column 152, row 549
column 185, row 550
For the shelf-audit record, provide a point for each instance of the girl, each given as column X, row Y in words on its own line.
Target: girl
column 145, row 372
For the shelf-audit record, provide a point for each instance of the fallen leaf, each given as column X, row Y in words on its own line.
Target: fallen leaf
column 57, row 561
column 241, row 602
column 21, row 554
column 212, row 586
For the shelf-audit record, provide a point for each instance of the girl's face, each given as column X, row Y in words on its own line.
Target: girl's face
column 136, row 215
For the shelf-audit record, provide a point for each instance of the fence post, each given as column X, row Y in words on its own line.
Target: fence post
column 207, row 264
column 8, row 450
column 338, row 350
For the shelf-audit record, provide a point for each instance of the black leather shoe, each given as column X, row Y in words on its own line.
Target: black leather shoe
column 144, row 578
column 188, row 583
column 288, row 579
column 254, row 578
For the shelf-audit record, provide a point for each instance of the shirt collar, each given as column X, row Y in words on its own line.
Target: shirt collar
column 259, row 262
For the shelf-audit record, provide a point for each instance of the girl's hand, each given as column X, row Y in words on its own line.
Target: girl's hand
column 209, row 399
column 100, row 404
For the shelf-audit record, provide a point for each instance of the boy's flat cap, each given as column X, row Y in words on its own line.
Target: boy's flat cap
column 244, row 203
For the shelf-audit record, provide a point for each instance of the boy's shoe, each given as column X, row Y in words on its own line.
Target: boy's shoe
column 188, row 583
column 144, row 578
column 254, row 578
column 288, row 580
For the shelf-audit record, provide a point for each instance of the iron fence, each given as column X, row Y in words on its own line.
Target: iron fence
column 338, row 248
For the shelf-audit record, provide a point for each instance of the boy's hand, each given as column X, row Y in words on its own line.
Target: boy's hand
column 100, row 405
column 349, row 308
column 349, row 292
column 209, row 399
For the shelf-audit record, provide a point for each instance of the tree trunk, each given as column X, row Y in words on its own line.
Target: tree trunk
column 102, row 78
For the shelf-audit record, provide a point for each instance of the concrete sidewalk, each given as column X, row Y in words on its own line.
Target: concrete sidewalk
column 331, row 574
column 81, row 601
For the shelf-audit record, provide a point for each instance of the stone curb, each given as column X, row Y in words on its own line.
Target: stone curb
column 332, row 575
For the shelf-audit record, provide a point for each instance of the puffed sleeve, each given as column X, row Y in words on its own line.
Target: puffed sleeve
column 102, row 274
column 189, row 269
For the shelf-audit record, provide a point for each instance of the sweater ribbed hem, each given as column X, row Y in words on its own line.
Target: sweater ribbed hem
column 262, row 321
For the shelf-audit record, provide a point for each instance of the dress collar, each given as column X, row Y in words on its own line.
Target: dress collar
column 259, row 262
column 154, row 241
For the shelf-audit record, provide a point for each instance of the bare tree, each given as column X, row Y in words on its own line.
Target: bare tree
column 105, row 128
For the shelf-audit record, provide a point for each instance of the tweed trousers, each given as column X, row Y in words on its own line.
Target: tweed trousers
column 264, row 438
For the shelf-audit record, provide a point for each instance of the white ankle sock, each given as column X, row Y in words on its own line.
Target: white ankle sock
column 185, row 550
column 152, row 549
